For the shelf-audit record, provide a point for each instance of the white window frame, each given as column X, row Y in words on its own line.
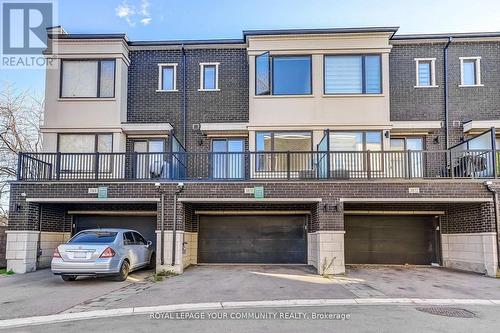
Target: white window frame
column 160, row 77
column 477, row 63
column 202, row 75
column 433, row 72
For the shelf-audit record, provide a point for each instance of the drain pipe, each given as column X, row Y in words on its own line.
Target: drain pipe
column 162, row 222
column 494, row 192
column 184, row 96
column 446, row 97
column 180, row 188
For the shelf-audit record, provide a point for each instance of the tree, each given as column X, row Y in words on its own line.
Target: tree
column 21, row 114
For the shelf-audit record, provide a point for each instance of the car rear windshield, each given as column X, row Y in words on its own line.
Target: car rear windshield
column 94, row 237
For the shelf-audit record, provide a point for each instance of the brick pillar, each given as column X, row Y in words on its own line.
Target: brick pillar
column 22, row 236
column 326, row 243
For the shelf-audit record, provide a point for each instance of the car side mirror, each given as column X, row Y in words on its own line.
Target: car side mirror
column 149, row 243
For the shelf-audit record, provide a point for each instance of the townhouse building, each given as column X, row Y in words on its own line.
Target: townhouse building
column 322, row 147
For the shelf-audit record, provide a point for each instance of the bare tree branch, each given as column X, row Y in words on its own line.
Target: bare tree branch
column 20, row 118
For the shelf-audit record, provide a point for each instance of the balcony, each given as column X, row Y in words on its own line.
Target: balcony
column 248, row 166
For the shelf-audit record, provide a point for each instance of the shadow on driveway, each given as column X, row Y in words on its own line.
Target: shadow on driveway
column 42, row 293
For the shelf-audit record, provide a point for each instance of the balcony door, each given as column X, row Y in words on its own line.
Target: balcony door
column 228, row 158
column 150, row 159
column 399, row 161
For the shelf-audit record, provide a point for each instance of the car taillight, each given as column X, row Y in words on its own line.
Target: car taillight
column 108, row 253
column 56, row 253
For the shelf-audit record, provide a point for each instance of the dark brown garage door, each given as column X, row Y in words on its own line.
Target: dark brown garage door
column 390, row 240
column 145, row 225
column 252, row 239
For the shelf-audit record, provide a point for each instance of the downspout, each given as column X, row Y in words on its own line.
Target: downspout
column 494, row 192
column 174, row 227
column 184, row 97
column 162, row 235
column 446, row 97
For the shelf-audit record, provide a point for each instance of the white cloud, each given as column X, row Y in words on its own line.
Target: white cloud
column 146, row 21
column 132, row 13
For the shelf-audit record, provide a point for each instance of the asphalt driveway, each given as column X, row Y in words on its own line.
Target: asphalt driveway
column 42, row 293
column 260, row 282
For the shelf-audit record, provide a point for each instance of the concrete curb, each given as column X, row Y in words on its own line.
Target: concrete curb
column 57, row 318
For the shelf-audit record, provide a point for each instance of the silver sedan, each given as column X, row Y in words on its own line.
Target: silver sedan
column 103, row 252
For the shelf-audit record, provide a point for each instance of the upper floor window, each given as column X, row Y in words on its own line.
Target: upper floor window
column 283, row 141
column 209, row 76
column 470, row 70
column 353, row 74
column 426, row 72
column 167, row 77
column 88, row 78
column 355, row 141
column 85, row 143
column 283, row 75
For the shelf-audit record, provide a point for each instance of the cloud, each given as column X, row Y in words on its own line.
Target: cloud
column 146, row 21
column 133, row 13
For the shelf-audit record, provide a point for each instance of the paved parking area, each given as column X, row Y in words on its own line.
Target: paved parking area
column 426, row 282
column 42, row 293
column 261, row 282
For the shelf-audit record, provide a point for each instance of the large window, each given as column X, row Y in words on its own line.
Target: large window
column 88, row 78
column 227, row 158
column 85, row 143
column 275, row 147
column 73, row 161
column 348, row 157
column 352, row 74
column 283, row 75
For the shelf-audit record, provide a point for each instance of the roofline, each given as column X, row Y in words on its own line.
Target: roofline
column 89, row 36
column 318, row 31
column 447, row 35
column 186, row 42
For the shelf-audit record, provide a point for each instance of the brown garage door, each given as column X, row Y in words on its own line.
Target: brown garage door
column 145, row 225
column 390, row 240
column 252, row 239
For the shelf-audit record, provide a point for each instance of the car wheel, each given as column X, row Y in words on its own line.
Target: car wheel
column 68, row 278
column 124, row 270
column 152, row 261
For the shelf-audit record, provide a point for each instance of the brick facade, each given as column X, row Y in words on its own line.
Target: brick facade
column 479, row 216
column 230, row 104
column 471, row 103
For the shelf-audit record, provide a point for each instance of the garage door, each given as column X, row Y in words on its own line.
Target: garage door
column 146, row 225
column 252, row 239
column 390, row 240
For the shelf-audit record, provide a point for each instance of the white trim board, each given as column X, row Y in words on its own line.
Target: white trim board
column 250, row 200
column 92, row 200
column 432, row 200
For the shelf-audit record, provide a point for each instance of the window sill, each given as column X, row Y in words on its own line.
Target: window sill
column 86, row 99
column 420, row 87
column 283, row 96
column 175, row 90
column 352, row 95
column 470, row 85
column 208, row 89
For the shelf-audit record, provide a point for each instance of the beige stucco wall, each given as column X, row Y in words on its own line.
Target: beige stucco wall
column 325, row 251
column 476, row 252
column 318, row 109
column 79, row 115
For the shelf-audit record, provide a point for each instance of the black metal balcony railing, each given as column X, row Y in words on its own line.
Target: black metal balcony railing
column 258, row 165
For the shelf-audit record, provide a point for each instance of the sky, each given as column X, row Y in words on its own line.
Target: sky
column 204, row 19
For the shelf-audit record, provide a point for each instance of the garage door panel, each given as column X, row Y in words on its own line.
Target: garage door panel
column 252, row 239
column 145, row 225
column 390, row 240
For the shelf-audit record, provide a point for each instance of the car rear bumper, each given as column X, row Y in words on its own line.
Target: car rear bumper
column 95, row 268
